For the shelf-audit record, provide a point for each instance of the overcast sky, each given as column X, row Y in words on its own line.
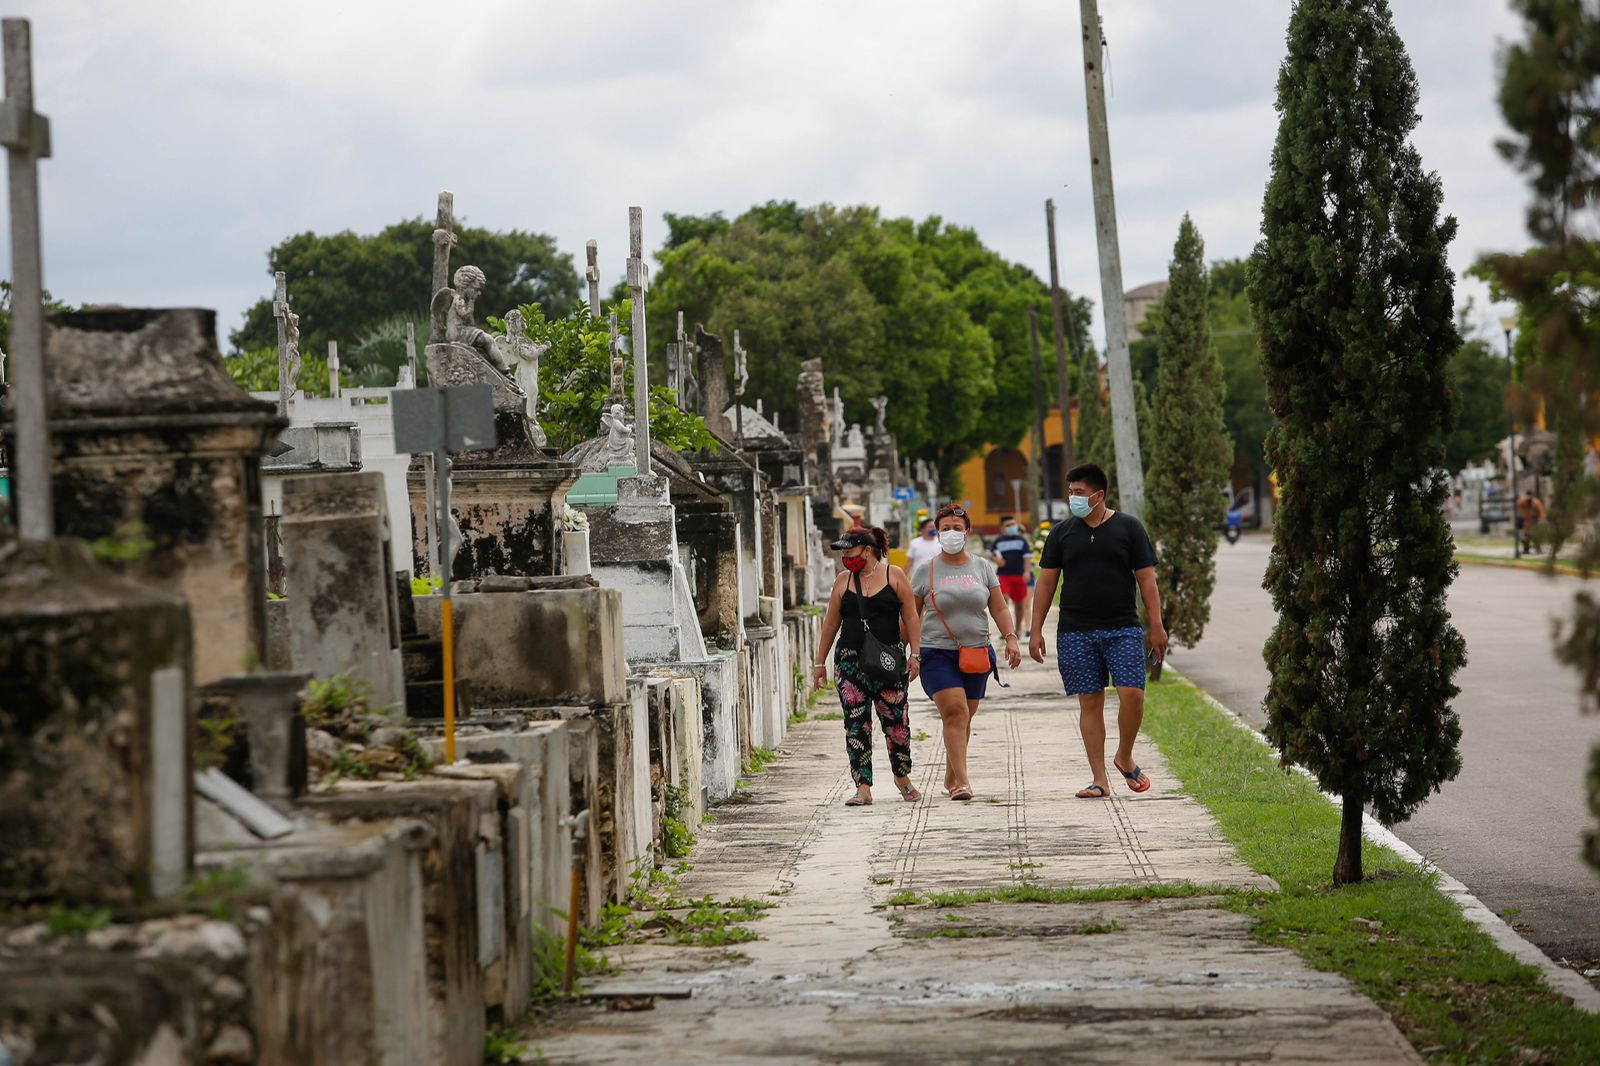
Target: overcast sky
column 192, row 135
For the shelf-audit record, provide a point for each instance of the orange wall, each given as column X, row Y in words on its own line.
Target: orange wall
column 973, row 484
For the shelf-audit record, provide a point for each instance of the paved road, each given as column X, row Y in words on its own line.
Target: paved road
column 1510, row 825
column 837, row 977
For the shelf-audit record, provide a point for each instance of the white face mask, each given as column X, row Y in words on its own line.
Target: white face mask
column 952, row 541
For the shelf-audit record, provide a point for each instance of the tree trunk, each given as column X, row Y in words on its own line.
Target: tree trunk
column 1347, row 868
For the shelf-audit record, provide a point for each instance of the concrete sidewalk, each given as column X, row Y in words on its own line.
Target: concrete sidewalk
column 838, row 977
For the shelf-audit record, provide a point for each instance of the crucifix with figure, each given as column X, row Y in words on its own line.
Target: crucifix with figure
column 26, row 136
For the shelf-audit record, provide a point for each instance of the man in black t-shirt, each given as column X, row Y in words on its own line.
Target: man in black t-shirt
column 1105, row 558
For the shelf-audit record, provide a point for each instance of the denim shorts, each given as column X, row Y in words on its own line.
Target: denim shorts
column 941, row 669
column 1088, row 658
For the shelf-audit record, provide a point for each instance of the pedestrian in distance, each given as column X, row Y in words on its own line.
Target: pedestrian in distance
column 923, row 548
column 871, row 610
column 1530, row 512
column 953, row 591
column 1013, row 557
column 1103, row 559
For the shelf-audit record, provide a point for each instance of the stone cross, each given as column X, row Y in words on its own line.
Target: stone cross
column 444, row 238
column 411, row 352
column 880, row 404
column 591, row 252
column 26, row 136
column 333, row 370
column 618, row 393
column 280, row 311
column 639, row 284
column 741, row 375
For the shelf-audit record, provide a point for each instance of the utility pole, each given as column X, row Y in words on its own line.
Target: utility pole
column 1040, row 474
column 1124, row 419
column 1058, row 310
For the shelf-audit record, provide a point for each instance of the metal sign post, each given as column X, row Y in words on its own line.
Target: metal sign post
column 436, row 422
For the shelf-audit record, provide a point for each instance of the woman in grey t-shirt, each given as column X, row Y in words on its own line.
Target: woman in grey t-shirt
column 953, row 591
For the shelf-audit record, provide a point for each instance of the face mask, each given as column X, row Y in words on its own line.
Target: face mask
column 1080, row 506
column 856, row 563
column 952, row 540
column 1011, row 530
column 929, row 534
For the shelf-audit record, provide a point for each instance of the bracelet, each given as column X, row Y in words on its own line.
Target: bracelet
column 1008, row 636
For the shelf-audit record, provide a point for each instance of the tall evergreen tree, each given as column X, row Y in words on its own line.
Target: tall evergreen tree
column 1355, row 306
column 1189, row 446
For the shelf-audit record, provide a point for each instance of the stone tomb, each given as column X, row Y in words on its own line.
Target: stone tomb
column 157, row 458
column 343, row 612
column 506, row 502
column 95, row 724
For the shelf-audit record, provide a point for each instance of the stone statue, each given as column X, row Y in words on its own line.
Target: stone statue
column 291, row 347
column 454, row 315
column 522, row 356
column 855, row 439
column 836, row 418
column 619, row 436
column 880, row 404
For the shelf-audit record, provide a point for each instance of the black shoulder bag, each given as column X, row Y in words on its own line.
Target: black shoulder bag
column 883, row 663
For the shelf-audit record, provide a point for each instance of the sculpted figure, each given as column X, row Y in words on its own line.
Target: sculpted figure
column 291, row 345
column 836, row 418
column 522, row 356
column 880, row 404
column 619, row 436
column 455, row 310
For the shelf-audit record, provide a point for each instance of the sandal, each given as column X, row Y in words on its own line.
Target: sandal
column 1094, row 792
column 1134, row 777
column 908, row 792
column 961, row 792
column 858, row 800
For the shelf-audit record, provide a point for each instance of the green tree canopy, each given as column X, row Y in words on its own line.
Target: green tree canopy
column 1550, row 98
column 575, row 379
column 920, row 312
column 1354, row 301
column 345, row 284
column 1189, row 448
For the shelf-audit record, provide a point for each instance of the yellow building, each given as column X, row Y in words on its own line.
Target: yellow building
column 996, row 482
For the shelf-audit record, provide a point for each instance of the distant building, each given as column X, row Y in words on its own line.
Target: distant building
column 1136, row 303
column 995, row 482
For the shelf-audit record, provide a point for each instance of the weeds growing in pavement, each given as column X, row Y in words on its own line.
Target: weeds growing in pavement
column 1046, row 894
column 760, row 759
column 658, row 912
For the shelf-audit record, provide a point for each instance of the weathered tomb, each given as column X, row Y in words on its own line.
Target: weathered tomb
column 95, row 727
column 343, row 610
column 156, row 460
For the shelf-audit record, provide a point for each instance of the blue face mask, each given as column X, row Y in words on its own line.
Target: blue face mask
column 1080, row 506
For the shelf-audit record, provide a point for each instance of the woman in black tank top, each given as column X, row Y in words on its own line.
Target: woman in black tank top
column 884, row 599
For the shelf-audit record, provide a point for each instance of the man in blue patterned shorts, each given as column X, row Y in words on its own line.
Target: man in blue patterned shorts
column 1105, row 558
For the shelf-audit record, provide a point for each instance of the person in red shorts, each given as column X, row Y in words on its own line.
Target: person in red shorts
column 1013, row 558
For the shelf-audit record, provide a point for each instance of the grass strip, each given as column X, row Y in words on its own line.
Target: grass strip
column 1542, row 564
column 1454, row 994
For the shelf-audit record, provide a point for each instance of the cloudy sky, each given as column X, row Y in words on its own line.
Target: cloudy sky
column 192, row 135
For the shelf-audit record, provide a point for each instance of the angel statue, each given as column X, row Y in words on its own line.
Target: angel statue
column 619, row 436
column 456, row 310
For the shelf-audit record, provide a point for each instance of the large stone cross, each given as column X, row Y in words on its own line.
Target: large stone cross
column 591, row 252
column 26, row 136
column 639, row 284
column 444, row 238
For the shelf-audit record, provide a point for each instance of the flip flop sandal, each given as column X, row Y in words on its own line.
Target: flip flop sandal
column 961, row 792
column 858, row 800
column 1094, row 792
column 909, row 793
column 1133, row 779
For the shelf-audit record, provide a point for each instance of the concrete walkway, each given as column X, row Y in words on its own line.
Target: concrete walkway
column 837, row 977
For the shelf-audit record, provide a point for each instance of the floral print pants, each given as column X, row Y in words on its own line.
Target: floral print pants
column 857, row 696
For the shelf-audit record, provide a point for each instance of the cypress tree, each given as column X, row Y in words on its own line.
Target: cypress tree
column 1354, row 303
column 1189, row 446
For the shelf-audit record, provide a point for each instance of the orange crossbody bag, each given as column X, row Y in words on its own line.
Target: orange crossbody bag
column 968, row 660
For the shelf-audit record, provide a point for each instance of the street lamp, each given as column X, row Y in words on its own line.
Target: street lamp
column 1508, row 323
